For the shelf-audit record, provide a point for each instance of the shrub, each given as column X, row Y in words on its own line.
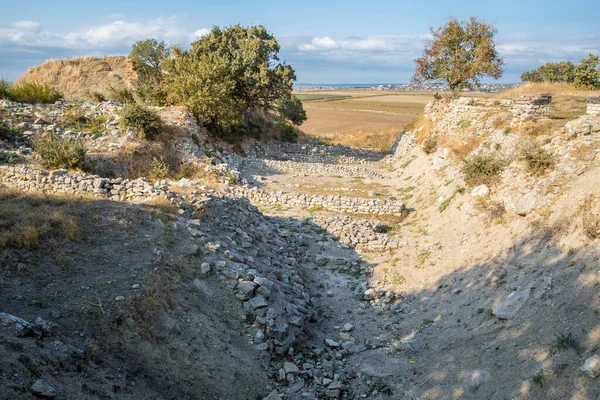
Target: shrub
column 587, row 75
column 33, row 92
column 292, row 110
column 480, row 169
column 57, row 152
column 537, row 159
column 145, row 121
column 94, row 96
column 287, row 133
column 120, row 95
column 4, row 89
column 591, row 221
column 430, row 144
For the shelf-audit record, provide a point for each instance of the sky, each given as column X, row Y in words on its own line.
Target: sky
column 338, row 41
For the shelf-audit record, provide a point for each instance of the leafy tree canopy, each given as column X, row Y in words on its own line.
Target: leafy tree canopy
column 460, row 53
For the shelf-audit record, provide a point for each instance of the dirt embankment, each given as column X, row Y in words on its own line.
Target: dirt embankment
column 76, row 77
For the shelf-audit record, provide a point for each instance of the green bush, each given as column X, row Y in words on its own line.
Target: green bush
column 292, row 110
column 145, row 121
column 57, row 152
column 430, row 144
column 4, row 89
column 288, row 133
column 480, row 169
column 33, row 93
column 537, row 159
column 121, row 95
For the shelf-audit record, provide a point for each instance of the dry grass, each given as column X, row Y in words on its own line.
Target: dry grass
column 591, row 219
column 77, row 77
column 383, row 107
column 27, row 221
column 544, row 87
column 463, row 148
column 363, row 129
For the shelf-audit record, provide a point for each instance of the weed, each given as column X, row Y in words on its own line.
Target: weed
column 565, row 342
column 465, row 124
column 145, row 121
column 445, row 204
column 406, row 163
column 591, row 221
column 57, row 152
column 33, row 93
column 158, row 169
column 120, row 95
column 430, row 144
column 482, row 169
column 538, row 160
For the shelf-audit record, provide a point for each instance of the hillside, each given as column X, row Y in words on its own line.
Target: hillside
column 463, row 265
column 77, row 77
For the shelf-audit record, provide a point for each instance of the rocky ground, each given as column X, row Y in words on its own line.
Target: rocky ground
column 355, row 274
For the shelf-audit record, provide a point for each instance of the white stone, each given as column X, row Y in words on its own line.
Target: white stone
column 480, row 191
column 591, row 366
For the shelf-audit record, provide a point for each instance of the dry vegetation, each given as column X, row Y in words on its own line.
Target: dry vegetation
column 78, row 77
column 28, row 221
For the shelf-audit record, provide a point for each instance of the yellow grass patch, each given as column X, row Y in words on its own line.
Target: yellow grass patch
column 77, row 77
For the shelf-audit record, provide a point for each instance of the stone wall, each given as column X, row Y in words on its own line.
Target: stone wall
column 359, row 233
column 261, row 166
column 593, row 105
column 30, row 179
column 353, row 205
column 531, row 106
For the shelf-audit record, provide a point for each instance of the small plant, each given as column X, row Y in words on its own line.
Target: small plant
column 145, row 121
column 159, row 169
column 565, row 342
column 287, row 132
column 94, row 96
column 537, row 159
column 33, row 93
column 591, row 222
column 465, row 124
column 430, row 144
column 57, row 152
column 406, row 163
column 507, row 130
column 482, row 169
column 4, row 89
column 121, row 95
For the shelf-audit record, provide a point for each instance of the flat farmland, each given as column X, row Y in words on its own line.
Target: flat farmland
column 360, row 118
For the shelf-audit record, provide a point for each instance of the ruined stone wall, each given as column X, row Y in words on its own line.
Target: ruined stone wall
column 334, row 203
column 593, row 106
column 531, row 106
column 60, row 181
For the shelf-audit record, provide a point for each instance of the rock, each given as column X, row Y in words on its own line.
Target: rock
column 591, row 366
column 245, row 290
column 332, row 343
column 526, row 204
column 476, row 378
column 480, row 191
column 205, row 268
column 347, row 327
column 510, row 306
column 290, row 368
column 42, row 389
column 335, row 385
column 119, row 298
column 332, row 394
column 297, row 386
column 273, row 396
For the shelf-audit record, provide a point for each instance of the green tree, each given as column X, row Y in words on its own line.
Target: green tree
column 460, row 53
column 533, row 75
column 560, row 72
column 292, row 110
column 587, row 75
column 229, row 74
column 147, row 57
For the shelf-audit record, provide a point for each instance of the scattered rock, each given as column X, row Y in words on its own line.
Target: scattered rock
column 591, row 366
column 510, row 306
column 480, row 191
column 42, row 389
column 476, row 378
column 526, row 203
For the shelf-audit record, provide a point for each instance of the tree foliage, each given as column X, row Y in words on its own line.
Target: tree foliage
column 460, row 53
column 147, row 57
column 229, row 74
column 587, row 74
column 560, row 72
column 292, row 110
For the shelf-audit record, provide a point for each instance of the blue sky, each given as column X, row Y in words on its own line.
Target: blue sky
column 325, row 41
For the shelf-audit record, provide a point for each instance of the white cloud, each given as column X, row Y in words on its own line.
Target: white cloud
column 115, row 35
column 201, row 32
column 27, row 26
column 324, row 43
